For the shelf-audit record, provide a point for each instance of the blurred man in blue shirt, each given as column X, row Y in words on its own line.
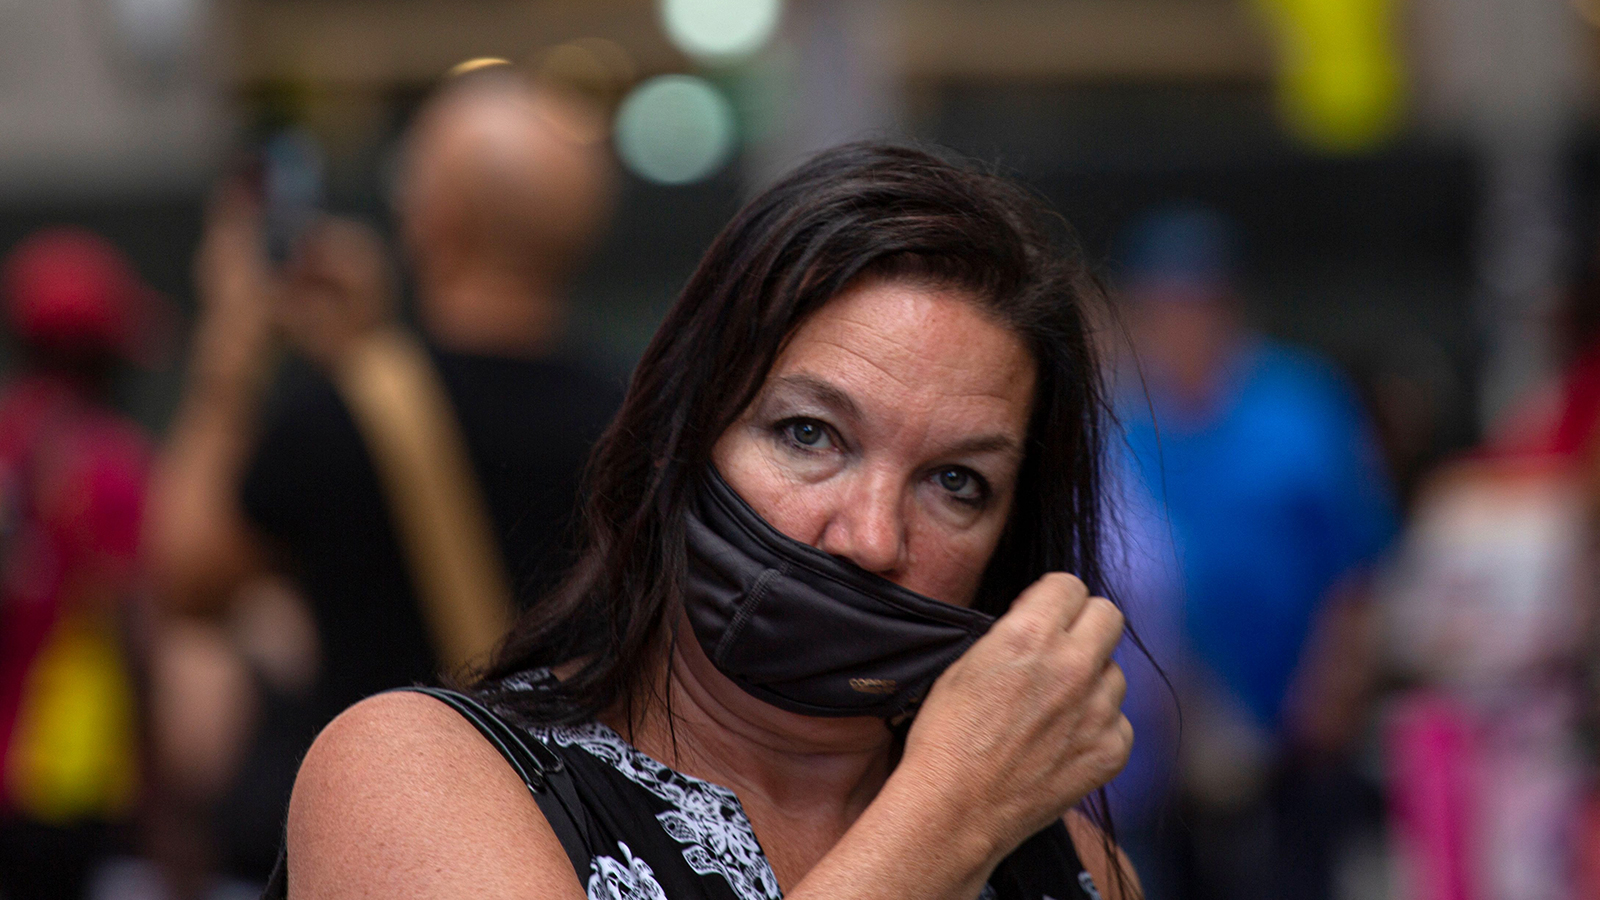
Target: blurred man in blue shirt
column 1278, row 504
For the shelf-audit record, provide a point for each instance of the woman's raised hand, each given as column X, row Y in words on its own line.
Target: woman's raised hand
column 1028, row 721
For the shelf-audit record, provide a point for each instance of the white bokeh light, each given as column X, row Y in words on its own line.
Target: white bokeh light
column 156, row 32
column 720, row 29
column 675, row 129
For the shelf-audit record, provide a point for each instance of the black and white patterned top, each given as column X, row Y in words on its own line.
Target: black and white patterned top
column 677, row 837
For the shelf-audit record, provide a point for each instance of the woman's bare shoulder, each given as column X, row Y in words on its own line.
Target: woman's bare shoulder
column 401, row 797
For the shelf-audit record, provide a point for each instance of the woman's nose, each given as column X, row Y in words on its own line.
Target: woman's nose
column 868, row 528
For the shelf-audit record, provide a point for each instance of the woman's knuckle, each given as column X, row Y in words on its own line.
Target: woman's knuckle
column 1020, row 634
column 1114, row 613
column 1103, row 711
column 1124, row 735
column 1117, row 682
column 1108, row 616
column 1113, row 752
column 1067, row 583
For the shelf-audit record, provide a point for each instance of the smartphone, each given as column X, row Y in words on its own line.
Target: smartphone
column 290, row 175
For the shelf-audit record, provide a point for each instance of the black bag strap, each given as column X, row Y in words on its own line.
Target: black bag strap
column 1045, row 865
column 547, row 779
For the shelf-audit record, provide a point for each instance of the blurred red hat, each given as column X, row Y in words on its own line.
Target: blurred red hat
column 72, row 289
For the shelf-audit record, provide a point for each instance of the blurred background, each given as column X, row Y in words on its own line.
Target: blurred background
column 1352, row 244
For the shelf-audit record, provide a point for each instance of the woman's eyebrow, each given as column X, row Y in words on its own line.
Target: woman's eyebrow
column 820, row 391
column 825, row 393
column 988, row 443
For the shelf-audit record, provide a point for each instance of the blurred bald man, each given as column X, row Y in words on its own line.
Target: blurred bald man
column 503, row 188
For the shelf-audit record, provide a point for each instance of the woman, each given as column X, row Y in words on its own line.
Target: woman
column 856, row 461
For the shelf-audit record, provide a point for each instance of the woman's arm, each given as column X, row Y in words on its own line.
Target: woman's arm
column 199, row 548
column 401, row 798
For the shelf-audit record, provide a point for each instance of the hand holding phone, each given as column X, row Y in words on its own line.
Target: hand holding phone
column 290, row 179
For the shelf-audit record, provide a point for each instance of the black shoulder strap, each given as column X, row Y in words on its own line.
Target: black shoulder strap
column 547, row 778
column 1045, row 865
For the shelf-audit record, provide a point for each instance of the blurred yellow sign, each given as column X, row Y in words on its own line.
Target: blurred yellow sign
column 1340, row 79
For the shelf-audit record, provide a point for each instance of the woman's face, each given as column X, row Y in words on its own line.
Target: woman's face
column 889, row 432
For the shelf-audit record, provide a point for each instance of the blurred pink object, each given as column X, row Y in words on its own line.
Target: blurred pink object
column 1531, row 788
column 1486, row 794
column 70, row 289
column 1432, row 747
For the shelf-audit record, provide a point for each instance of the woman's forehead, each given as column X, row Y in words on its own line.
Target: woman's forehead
column 906, row 346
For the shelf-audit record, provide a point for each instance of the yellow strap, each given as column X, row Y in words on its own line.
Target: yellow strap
column 410, row 428
column 73, row 754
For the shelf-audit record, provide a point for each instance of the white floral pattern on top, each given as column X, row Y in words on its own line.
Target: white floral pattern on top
column 629, row 878
column 705, row 818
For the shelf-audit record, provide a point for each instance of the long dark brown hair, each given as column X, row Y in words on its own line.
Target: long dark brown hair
column 854, row 210
column 860, row 209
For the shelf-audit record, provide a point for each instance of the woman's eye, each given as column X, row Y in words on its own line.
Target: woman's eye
column 961, row 483
column 808, row 433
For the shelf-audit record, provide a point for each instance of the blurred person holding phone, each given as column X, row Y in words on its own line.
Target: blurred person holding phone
column 503, row 186
column 72, row 480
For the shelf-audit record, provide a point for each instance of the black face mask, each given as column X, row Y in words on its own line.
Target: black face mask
column 807, row 631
